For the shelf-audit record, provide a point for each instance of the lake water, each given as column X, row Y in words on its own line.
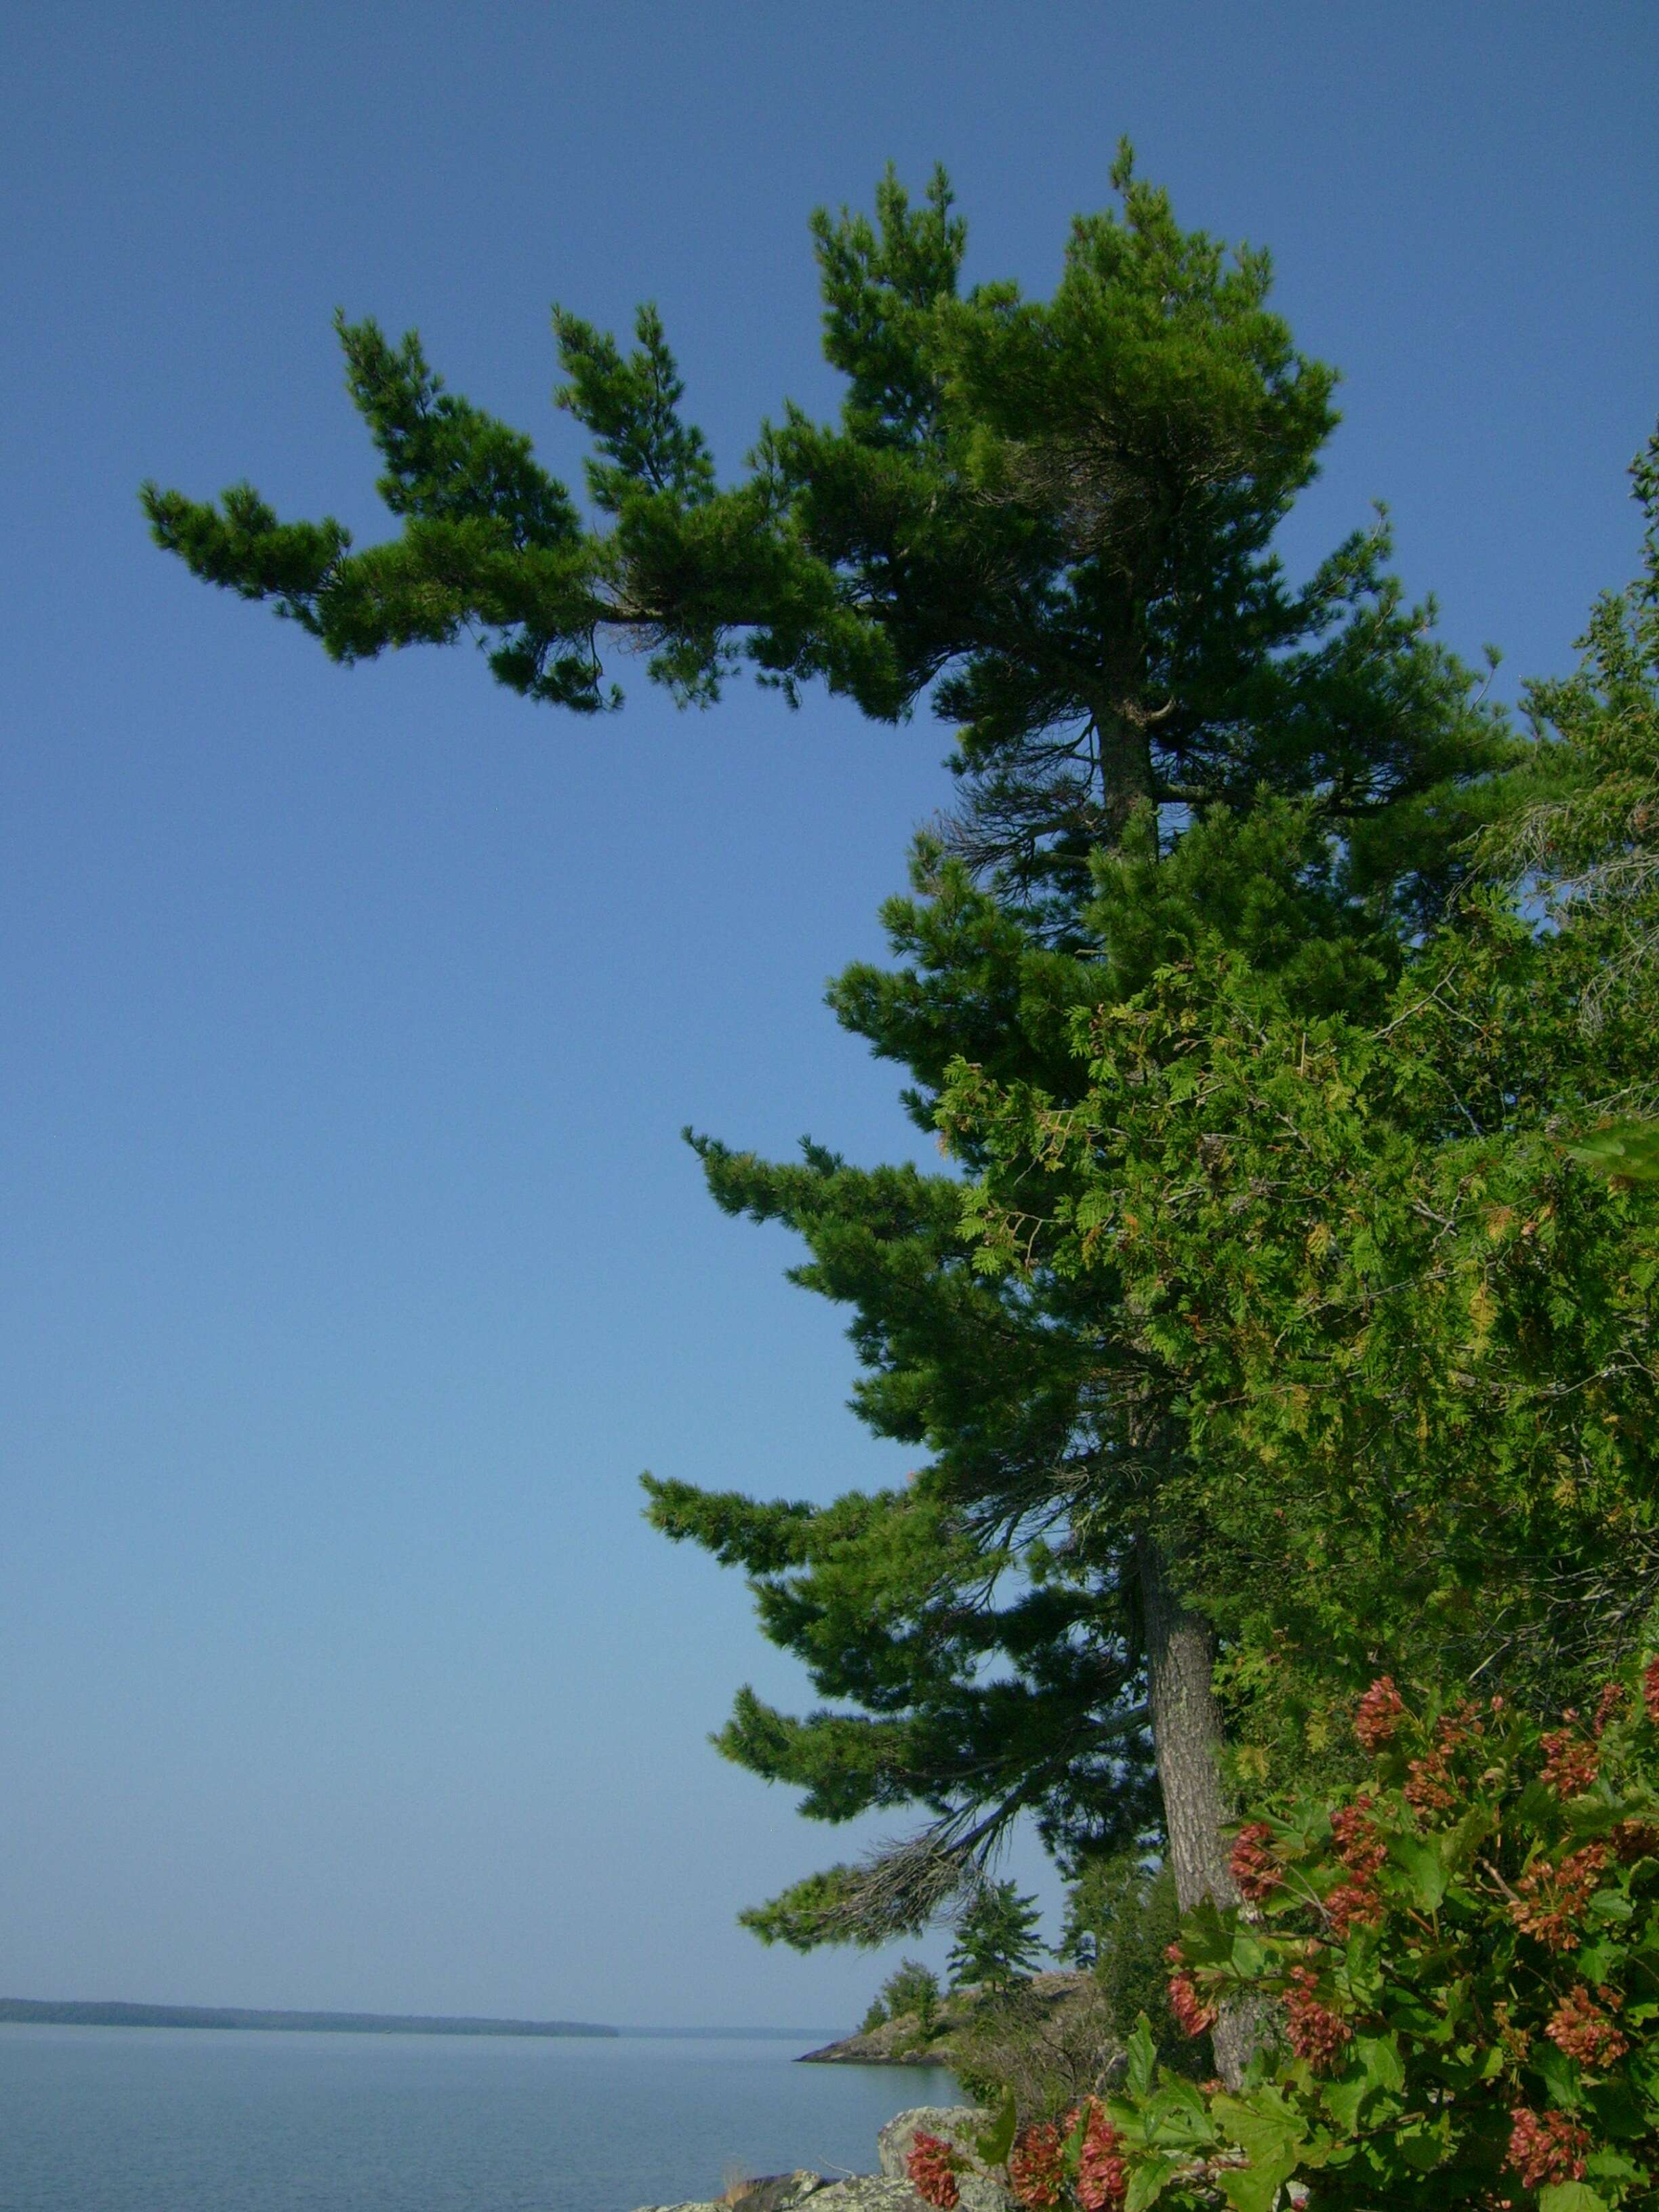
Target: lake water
column 109, row 2119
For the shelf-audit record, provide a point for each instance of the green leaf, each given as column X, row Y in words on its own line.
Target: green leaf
column 1249, row 1957
column 1147, row 2183
column 1459, row 1845
column 1254, row 2188
column 1268, row 2130
column 1629, row 1150
column 1177, row 2115
column 1570, row 2196
column 1142, row 2054
column 1424, row 1869
column 998, row 2140
column 1559, row 2074
column 1423, row 2148
column 1379, row 2055
column 1618, row 2110
column 1343, row 2099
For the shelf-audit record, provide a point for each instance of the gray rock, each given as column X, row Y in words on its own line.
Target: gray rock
column 869, row 2192
column 959, row 2125
column 956, row 2124
column 777, row 2192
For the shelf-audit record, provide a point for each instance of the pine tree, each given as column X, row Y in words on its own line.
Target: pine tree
column 997, row 1942
column 1055, row 520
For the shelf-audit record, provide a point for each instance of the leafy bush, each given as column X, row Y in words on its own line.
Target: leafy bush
column 911, row 1988
column 1461, row 1957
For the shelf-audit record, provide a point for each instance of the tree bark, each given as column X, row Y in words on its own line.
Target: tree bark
column 1186, row 1743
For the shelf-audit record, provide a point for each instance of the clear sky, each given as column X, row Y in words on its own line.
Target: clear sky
column 353, row 1267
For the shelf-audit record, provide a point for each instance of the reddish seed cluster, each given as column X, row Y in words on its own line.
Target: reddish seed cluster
column 1037, row 2167
column 1579, row 2026
column 1193, row 2017
column 1454, row 1728
column 932, row 2166
column 1359, row 1843
column 1313, row 2031
column 1635, row 1839
column 1353, row 1904
column 1546, row 2147
column 1605, row 1706
column 1253, row 1865
column 1377, row 1714
column 1551, row 1899
column 1360, row 1847
column 1429, row 1785
column 1570, row 1764
column 1103, row 2171
column 1651, row 1690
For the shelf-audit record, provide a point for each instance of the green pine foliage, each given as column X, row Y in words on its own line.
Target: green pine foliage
column 1053, row 520
column 1121, row 1919
column 997, row 1942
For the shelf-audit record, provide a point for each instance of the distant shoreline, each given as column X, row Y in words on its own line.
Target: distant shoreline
column 46, row 2012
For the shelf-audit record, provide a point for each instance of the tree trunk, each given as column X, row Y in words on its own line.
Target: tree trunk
column 1187, row 1742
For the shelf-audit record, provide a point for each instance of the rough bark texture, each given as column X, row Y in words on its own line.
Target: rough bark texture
column 1187, row 1741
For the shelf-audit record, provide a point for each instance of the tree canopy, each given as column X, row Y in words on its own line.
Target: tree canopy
column 1259, row 1247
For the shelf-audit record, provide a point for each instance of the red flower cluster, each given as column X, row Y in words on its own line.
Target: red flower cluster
column 1037, row 2167
column 1253, row 1865
column 1546, row 2147
column 1193, row 2015
column 1570, row 1764
column 1429, row 1785
column 1353, row 1904
column 1605, row 1706
column 1377, row 1714
column 933, row 2167
column 1457, row 1728
column 1651, row 1690
column 1635, row 1839
column 1359, row 1844
column 1102, row 2172
column 1314, row 2032
column 1361, row 1848
column 1580, row 2027
column 1552, row 1899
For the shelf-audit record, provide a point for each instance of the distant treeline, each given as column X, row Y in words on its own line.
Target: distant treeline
column 44, row 2010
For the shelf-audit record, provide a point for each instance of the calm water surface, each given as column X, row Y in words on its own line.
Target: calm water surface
column 110, row 2119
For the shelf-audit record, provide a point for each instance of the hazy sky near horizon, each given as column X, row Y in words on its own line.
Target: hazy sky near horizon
column 353, row 1267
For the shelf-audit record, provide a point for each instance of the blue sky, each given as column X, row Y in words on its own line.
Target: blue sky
column 353, row 1267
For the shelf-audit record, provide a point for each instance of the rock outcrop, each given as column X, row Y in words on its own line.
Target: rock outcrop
column 959, row 2125
column 889, row 2190
column 857, row 2192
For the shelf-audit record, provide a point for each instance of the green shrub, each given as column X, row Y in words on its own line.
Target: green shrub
column 911, row 1988
column 1461, row 1961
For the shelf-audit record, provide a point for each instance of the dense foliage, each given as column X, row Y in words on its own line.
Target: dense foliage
column 997, row 1942
column 1412, row 1332
column 1460, row 1957
column 1121, row 1917
column 911, row 1991
column 1055, row 519
column 1288, row 1300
